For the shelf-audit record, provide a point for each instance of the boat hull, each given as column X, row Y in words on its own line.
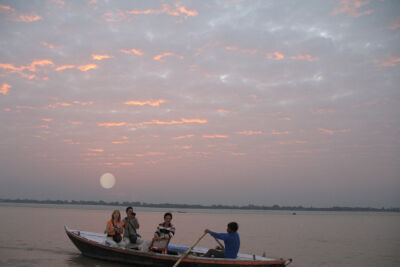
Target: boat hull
column 138, row 258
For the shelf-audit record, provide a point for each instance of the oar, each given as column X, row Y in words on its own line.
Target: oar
column 219, row 243
column 188, row 251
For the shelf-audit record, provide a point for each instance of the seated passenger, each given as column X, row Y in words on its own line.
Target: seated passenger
column 131, row 223
column 114, row 230
column 165, row 231
column 231, row 240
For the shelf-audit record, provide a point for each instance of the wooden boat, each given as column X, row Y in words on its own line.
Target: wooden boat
column 94, row 245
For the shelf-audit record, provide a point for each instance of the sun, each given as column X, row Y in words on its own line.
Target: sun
column 107, row 180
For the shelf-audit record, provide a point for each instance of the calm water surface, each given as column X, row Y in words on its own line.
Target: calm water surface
column 33, row 235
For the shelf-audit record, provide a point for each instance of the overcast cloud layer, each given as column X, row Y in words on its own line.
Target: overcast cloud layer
column 209, row 102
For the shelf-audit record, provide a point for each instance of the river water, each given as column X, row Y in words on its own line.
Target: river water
column 33, row 234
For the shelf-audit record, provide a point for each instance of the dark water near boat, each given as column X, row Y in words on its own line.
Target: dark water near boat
column 33, row 235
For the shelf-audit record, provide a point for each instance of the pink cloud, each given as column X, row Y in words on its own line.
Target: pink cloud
column 87, row 67
column 183, row 137
column 250, row 132
column 391, row 62
column 395, row 24
column 143, row 103
column 28, row 18
column 306, row 57
column 276, row 55
column 352, row 8
column 132, row 51
column 100, row 57
column 332, row 132
column 4, row 88
column 215, row 136
column 166, row 54
column 279, row 133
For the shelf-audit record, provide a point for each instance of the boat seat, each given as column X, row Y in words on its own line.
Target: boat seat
column 160, row 246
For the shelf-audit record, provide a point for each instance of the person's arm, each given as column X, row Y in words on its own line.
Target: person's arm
column 109, row 229
column 221, row 236
column 136, row 223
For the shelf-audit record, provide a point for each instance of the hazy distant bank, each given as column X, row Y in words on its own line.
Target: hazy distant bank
column 197, row 206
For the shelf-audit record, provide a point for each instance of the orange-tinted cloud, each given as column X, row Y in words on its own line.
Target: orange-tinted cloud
column 40, row 63
column 96, row 149
column 250, row 132
column 352, row 8
column 4, row 88
column 83, row 103
column 87, row 67
column 332, row 132
column 28, row 18
column 214, row 136
column 112, row 124
column 152, row 122
column 303, row 57
column 279, row 133
column 6, row 8
column 391, row 62
column 65, row 67
column 182, row 137
column 62, row 104
column 165, row 9
column 161, row 56
column 143, row 103
column 44, row 43
column 47, row 119
column 395, row 24
column 100, row 57
column 276, row 55
column 132, row 51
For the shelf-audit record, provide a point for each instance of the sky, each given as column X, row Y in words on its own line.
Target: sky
column 201, row 102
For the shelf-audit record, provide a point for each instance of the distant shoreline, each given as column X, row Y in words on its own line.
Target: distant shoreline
column 197, row 206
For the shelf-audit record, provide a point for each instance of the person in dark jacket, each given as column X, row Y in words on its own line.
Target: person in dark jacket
column 231, row 240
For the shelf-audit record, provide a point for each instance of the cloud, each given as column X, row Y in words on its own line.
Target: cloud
column 112, row 124
column 332, row 132
column 306, row 57
column 250, row 132
column 179, row 10
column 16, row 16
column 391, row 62
column 215, row 136
column 132, row 51
column 65, row 67
column 87, row 67
column 279, row 133
column 352, row 8
column 32, row 67
column 395, row 24
column 100, row 57
column 44, row 43
column 276, row 55
column 143, row 103
column 47, row 119
column 28, row 18
column 96, row 149
column 160, row 57
column 4, row 88
column 183, row 137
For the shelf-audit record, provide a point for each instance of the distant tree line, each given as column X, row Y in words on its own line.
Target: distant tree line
column 196, row 206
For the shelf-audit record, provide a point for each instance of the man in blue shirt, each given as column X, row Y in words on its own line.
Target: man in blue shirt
column 231, row 240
